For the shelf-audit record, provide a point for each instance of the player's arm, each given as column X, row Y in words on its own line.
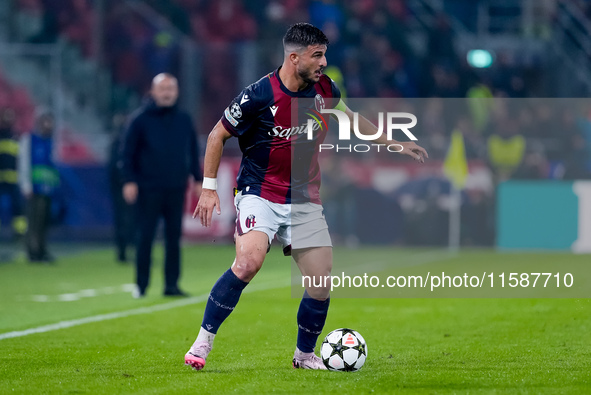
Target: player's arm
column 409, row 148
column 209, row 198
column 127, row 154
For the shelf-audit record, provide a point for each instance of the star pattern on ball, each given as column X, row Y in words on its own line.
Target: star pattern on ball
column 342, row 349
column 338, row 348
column 361, row 348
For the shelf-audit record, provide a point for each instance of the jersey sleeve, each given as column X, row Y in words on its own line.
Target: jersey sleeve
column 242, row 112
column 336, row 92
column 335, row 100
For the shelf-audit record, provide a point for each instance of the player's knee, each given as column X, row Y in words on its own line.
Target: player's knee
column 247, row 266
column 319, row 293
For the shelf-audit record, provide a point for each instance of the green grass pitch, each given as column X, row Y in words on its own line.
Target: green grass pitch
column 425, row 346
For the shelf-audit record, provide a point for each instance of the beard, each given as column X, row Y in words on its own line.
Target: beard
column 308, row 76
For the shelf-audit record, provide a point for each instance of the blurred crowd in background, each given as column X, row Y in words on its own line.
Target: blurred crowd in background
column 370, row 53
column 370, row 40
column 373, row 53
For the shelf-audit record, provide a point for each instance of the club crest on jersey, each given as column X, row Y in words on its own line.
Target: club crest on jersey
column 250, row 221
column 319, row 102
column 235, row 110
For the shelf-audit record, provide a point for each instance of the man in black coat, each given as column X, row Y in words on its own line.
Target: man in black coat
column 160, row 152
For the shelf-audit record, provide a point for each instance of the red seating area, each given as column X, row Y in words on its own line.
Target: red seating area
column 17, row 98
column 73, row 148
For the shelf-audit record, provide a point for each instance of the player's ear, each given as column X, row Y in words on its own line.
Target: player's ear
column 294, row 58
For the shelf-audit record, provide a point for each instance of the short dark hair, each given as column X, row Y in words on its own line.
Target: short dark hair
column 303, row 35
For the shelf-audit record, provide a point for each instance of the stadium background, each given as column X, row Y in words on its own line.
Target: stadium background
column 92, row 61
column 73, row 327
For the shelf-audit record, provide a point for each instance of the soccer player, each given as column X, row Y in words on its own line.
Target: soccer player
column 260, row 117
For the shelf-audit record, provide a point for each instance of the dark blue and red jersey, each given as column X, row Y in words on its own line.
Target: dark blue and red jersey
column 279, row 162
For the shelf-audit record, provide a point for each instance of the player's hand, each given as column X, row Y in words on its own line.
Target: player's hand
column 198, row 189
column 27, row 194
column 204, row 210
column 130, row 191
column 413, row 150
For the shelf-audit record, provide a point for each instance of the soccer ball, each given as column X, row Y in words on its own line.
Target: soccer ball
column 343, row 350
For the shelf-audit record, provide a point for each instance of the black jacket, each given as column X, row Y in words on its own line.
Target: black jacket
column 160, row 148
column 115, row 165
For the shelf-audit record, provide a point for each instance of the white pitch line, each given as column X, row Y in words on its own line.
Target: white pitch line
column 416, row 259
column 128, row 313
column 84, row 293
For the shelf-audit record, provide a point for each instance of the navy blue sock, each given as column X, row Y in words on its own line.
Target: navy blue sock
column 311, row 318
column 222, row 299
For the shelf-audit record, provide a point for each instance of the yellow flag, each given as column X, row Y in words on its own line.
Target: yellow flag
column 455, row 166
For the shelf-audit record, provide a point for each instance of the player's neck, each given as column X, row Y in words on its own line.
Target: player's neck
column 291, row 79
